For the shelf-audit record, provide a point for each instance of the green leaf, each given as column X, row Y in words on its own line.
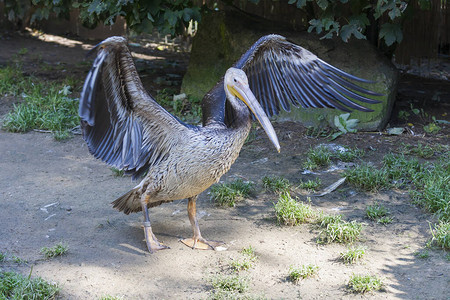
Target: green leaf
column 323, row 4
column 391, row 33
column 351, row 29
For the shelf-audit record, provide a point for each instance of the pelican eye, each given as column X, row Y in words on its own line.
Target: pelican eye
column 234, row 79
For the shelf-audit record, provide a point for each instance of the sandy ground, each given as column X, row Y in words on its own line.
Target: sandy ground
column 56, row 191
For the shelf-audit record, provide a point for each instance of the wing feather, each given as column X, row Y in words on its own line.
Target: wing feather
column 121, row 123
column 282, row 73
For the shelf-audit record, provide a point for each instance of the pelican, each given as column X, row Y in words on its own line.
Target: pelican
column 125, row 127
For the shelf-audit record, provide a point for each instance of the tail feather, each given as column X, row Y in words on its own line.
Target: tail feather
column 129, row 202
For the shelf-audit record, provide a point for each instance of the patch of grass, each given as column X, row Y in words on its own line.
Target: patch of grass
column 422, row 254
column 353, row 254
column 310, row 185
column 18, row 260
column 441, row 235
column 16, row 286
column 349, row 154
column 44, row 105
column 337, row 230
column 385, row 220
column 276, row 184
column 318, row 157
column 423, row 151
column 2, row 256
column 368, row 177
column 109, row 297
column 247, row 262
column 432, row 190
column 226, row 194
column 230, row 283
column 292, row 212
column 364, row 283
column 400, row 169
column 57, row 250
column 302, row 272
column 379, row 213
column 185, row 108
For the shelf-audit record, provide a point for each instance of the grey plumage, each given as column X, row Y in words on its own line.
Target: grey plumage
column 126, row 128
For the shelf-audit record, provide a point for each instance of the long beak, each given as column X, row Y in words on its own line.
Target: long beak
column 244, row 93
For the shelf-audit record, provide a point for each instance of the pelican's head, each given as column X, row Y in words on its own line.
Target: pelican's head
column 236, row 85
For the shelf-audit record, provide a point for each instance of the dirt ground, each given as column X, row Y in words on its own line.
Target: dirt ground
column 54, row 191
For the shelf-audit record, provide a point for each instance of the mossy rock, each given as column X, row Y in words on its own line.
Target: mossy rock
column 222, row 38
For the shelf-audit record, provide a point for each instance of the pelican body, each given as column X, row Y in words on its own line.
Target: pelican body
column 125, row 127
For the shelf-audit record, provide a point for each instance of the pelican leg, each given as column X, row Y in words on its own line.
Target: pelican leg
column 152, row 242
column 197, row 241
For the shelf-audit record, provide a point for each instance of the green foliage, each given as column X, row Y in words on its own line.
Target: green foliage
column 302, row 272
column 2, row 256
column 441, row 235
column 291, row 212
column 368, row 177
column 230, row 283
column 276, row 184
column 344, row 124
column 45, row 106
column 376, row 211
column 226, row 194
column 167, row 16
column 349, row 154
column 364, row 283
column 352, row 255
column 310, row 185
column 57, row 250
column 347, row 18
column 422, row 254
column 318, row 157
column 16, row 286
column 338, row 230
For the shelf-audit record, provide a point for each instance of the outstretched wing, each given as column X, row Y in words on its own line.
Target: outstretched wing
column 121, row 123
column 282, row 73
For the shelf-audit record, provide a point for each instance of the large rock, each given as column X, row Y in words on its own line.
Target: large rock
column 224, row 36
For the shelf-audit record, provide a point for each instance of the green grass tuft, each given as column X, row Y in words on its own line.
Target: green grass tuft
column 368, row 177
column 276, row 184
column 376, row 212
column 337, row 230
column 292, row 212
column 310, row 185
column 318, row 157
column 16, row 286
column 353, row 254
column 57, row 250
column 230, row 283
column 302, row 272
column 364, row 283
column 349, row 154
column 422, row 254
column 226, row 194
column 2, row 257
column 441, row 235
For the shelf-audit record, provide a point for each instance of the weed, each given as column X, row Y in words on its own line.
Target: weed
column 2, row 257
column 109, row 297
column 247, row 262
column 230, row 283
column 376, row 212
column 317, row 157
column 16, row 286
column 349, row 154
column 276, row 184
column 302, row 272
column 353, row 254
column 400, row 169
column 57, row 250
column 441, row 235
column 344, row 124
column 424, row 151
column 226, row 194
column 325, row 220
column 45, row 106
column 310, row 185
column 18, row 260
column 364, row 283
column 291, row 212
column 368, row 178
column 422, row 254
column 340, row 232
column 385, row 220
